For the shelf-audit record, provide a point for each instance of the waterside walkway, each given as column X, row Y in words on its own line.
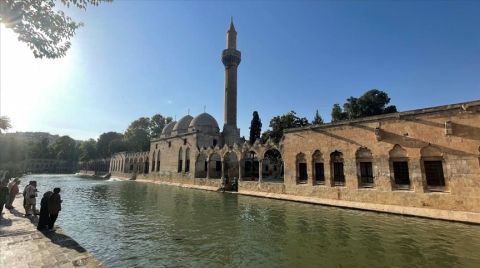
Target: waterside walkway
column 22, row 245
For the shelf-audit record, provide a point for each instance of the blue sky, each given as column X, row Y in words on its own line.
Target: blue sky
column 138, row 58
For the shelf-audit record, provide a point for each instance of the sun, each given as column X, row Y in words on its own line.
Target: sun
column 27, row 84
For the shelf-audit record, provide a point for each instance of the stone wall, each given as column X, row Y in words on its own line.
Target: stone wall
column 451, row 135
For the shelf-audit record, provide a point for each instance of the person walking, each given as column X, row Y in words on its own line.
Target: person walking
column 13, row 193
column 30, row 194
column 44, row 212
column 3, row 195
column 54, row 207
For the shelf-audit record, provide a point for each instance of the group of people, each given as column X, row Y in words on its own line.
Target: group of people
column 8, row 191
column 50, row 205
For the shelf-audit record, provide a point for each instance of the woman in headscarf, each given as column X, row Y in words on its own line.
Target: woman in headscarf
column 44, row 214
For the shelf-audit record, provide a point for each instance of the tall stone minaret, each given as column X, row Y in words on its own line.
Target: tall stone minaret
column 231, row 59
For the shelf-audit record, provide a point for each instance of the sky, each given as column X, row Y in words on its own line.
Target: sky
column 139, row 58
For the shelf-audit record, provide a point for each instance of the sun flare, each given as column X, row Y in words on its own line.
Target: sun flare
column 28, row 85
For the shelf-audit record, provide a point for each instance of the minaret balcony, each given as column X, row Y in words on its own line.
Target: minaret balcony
column 231, row 57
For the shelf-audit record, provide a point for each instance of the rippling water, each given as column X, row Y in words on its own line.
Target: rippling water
column 133, row 224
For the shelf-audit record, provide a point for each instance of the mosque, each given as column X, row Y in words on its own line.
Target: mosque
column 424, row 162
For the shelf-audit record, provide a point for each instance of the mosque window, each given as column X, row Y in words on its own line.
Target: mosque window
column 318, row 168
column 432, row 162
column 399, row 167
column 400, row 173
column 364, row 167
column 336, row 162
column 302, row 174
column 434, row 173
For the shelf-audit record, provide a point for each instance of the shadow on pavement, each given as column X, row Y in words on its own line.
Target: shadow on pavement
column 63, row 240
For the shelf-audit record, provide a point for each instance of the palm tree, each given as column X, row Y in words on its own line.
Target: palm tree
column 4, row 123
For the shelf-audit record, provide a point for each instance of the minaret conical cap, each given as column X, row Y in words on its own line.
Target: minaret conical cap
column 231, row 28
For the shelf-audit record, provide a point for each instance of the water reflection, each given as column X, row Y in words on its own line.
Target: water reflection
column 130, row 224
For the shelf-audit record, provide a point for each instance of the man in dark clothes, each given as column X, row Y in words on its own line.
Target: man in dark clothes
column 54, row 207
column 43, row 220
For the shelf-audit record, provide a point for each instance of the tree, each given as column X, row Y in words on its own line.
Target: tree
column 4, row 123
column 255, row 127
column 44, row 29
column 372, row 102
column 117, row 146
column 88, row 150
column 337, row 113
column 317, row 119
column 157, row 123
column 280, row 123
column 137, row 135
column 65, row 148
column 104, row 142
column 40, row 150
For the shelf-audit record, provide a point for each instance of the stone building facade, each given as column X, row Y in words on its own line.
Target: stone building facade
column 423, row 162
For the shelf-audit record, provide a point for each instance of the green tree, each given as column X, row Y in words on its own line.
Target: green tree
column 372, row 102
column 157, row 123
column 45, row 29
column 4, row 123
column 104, row 143
column 137, row 135
column 117, row 146
column 255, row 127
column 65, row 148
column 40, row 149
column 280, row 123
column 88, row 150
column 337, row 113
column 317, row 119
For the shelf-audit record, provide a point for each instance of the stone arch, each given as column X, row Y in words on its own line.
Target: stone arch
column 399, row 168
column 187, row 160
column 180, row 160
column 153, row 161
column 251, row 165
column 301, row 168
column 433, row 168
column 272, row 165
column 146, row 163
column 214, row 166
column 158, row 161
column 337, row 168
column 201, row 166
column 364, row 160
column 318, row 168
column 230, row 165
column 140, row 165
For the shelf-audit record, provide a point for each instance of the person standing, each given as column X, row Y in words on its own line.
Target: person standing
column 3, row 195
column 54, row 207
column 30, row 194
column 44, row 213
column 13, row 193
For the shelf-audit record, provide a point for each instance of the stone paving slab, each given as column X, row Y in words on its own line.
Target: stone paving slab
column 23, row 246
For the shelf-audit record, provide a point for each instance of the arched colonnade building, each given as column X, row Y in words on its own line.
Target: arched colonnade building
column 423, row 162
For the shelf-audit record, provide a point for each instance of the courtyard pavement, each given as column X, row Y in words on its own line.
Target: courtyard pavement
column 22, row 245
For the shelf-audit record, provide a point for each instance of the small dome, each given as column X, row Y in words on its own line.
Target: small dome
column 167, row 130
column 204, row 123
column 182, row 125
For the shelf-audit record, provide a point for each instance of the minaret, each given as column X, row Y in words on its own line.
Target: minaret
column 231, row 59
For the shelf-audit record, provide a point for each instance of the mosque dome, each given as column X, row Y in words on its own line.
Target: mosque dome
column 204, row 123
column 167, row 130
column 182, row 125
